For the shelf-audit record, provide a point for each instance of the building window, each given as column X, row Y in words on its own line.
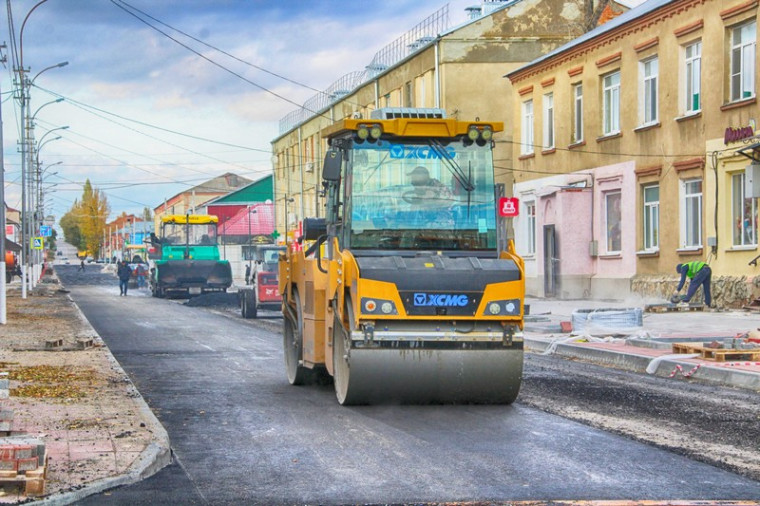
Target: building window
column 526, row 146
column 693, row 76
column 611, row 103
column 691, row 213
column 651, row 217
column 612, row 215
column 408, row 94
column 577, row 113
column 530, row 225
column 648, row 89
column 548, row 103
column 744, row 211
column 743, row 61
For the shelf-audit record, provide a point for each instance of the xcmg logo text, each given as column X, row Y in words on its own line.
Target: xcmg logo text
column 433, row 299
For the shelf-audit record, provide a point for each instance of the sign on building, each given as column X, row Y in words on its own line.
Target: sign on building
column 509, row 207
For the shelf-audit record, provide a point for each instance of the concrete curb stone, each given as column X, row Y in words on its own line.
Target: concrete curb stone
column 638, row 363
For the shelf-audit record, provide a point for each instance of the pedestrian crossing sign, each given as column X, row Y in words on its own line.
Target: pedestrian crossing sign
column 37, row 243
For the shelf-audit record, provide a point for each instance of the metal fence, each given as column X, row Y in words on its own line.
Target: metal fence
column 413, row 40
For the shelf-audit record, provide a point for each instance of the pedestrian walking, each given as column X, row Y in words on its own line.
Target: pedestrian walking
column 81, row 265
column 124, row 273
column 699, row 274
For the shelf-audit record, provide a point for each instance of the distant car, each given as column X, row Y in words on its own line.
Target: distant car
column 59, row 253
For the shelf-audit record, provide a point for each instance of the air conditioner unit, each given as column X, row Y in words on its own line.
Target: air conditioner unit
column 309, row 167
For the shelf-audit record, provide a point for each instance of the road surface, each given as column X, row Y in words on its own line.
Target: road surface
column 241, row 434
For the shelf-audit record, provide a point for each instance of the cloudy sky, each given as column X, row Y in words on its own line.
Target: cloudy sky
column 150, row 114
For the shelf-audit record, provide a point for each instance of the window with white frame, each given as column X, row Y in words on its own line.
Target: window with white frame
column 691, row 213
column 577, row 113
column 611, row 103
column 530, row 228
column 743, row 61
column 548, row 104
column 651, row 221
column 613, row 216
column 648, row 71
column 744, row 213
column 693, row 77
column 526, row 141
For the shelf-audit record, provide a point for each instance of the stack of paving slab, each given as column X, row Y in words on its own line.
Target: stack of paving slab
column 23, row 460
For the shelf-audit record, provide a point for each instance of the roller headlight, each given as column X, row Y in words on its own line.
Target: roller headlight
column 376, row 131
column 487, row 133
column 473, row 133
column 508, row 307
column 370, row 306
column 363, row 132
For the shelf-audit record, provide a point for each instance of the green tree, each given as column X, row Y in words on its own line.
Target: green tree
column 70, row 225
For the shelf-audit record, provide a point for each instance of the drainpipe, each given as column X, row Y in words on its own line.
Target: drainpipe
column 714, row 160
column 377, row 94
column 300, row 164
column 437, row 77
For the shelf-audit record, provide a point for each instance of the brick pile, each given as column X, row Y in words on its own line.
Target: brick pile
column 23, row 460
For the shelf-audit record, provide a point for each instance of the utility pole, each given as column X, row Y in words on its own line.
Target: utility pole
column 3, row 267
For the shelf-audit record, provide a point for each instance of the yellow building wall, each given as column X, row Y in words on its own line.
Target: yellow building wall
column 471, row 63
column 673, row 149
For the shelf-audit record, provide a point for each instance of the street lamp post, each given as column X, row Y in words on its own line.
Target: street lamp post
column 34, row 194
column 26, row 157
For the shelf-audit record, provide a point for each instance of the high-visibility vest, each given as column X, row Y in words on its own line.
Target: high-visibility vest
column 694, row 267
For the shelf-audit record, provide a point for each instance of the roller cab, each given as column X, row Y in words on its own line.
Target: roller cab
column 406, row 290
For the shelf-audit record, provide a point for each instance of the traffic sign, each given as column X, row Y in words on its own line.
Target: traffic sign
column 38, row 243
column 508, row 207
column 46, row 230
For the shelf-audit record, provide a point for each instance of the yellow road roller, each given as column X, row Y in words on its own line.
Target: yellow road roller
column 407, row 290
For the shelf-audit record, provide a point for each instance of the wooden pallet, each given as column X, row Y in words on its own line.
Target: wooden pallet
column 717, row 354
column 33, row 480
column 670, row 308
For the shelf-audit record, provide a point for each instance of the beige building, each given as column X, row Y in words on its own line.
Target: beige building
column 455, row 69
column 636, row 128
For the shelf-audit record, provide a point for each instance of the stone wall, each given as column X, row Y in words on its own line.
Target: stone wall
column 727, row 291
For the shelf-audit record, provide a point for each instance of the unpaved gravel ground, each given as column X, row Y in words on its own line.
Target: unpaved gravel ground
column 720, row 426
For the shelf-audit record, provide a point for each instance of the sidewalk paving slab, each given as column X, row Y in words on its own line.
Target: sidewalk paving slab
column 100, row 433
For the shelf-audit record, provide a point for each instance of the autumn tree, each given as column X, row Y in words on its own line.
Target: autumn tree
column 94, row 213
column 84, row 223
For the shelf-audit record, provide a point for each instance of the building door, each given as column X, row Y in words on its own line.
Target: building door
column 551, row 261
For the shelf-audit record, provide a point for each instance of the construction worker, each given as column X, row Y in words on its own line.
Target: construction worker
column 699, row 274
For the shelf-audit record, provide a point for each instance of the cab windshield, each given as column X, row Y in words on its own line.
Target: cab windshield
column 421, row 195
column 193, row 234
